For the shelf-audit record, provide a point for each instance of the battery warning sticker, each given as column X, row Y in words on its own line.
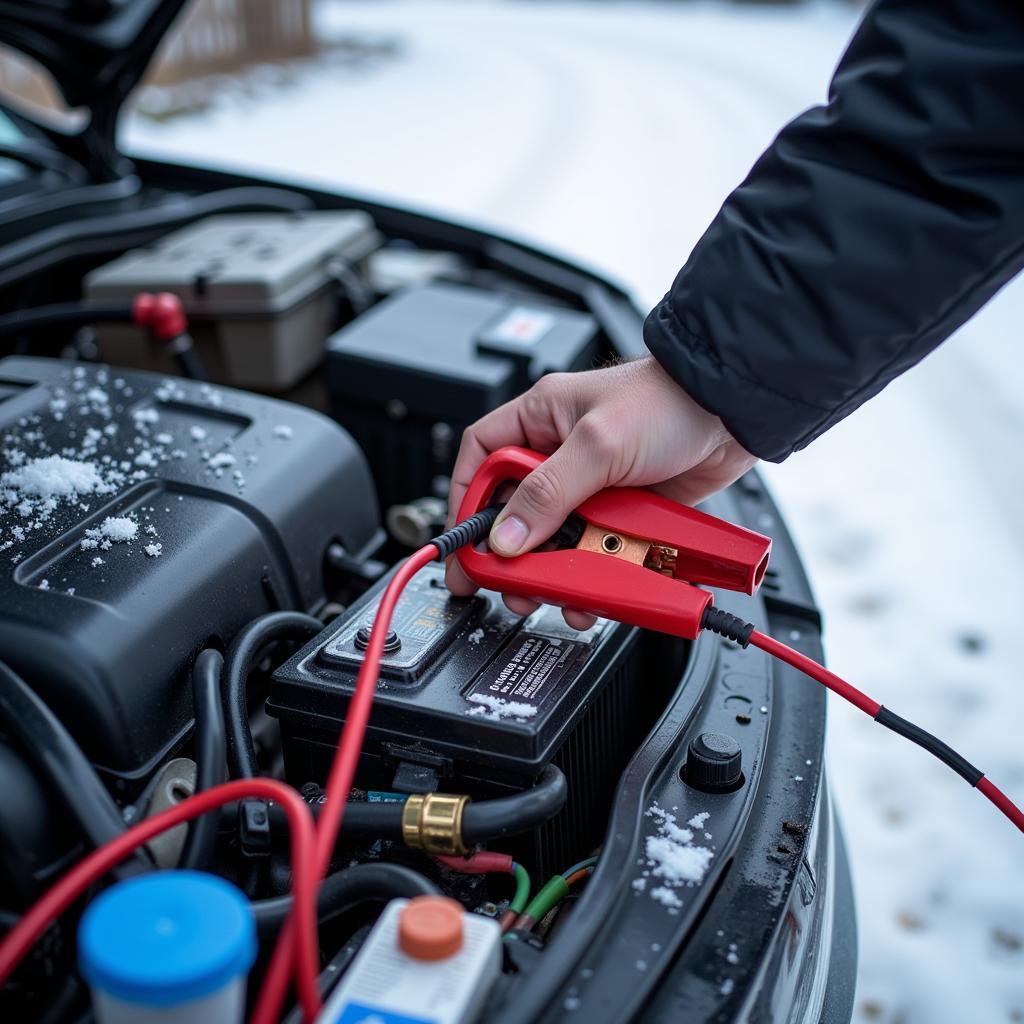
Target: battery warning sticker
column 530, row 672
column 522, row 326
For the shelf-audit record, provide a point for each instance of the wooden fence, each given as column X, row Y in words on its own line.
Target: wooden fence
column 209, row 37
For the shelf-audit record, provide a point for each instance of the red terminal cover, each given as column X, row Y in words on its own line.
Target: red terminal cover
column 710, row 552
column 162, row 315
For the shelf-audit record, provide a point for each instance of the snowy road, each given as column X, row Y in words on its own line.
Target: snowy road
column 611, row 132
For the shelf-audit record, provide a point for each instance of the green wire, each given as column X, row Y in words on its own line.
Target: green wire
column 522, row 896
column 556, row 889
column 588, row 863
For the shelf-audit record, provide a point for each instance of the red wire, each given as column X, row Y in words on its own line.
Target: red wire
column 577, row 875
column 1002, row 801
column 304, row 954
column 341, row 777
column 870, row 707
column 811, row 668
column 483, row 862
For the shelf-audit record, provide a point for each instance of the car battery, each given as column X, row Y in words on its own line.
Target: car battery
column 260, row 292
column 406, row 378
column 473, row 697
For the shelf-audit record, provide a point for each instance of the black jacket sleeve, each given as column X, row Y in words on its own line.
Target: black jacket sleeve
column 869, row 231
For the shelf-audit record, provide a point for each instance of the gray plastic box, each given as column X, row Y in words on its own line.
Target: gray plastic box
column 259, row 291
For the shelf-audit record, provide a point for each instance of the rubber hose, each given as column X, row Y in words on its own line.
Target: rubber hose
column 66, row 769
column 510, row 815
column 362, row 883
column 241, row 658
column 481, row 821
column 362, row 820
column 211, row 754
column 26, row 321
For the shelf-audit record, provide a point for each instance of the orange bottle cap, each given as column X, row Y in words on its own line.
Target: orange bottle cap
column 430, row 928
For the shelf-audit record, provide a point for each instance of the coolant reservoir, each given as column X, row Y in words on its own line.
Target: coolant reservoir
column 425, row 962
column 173, row 947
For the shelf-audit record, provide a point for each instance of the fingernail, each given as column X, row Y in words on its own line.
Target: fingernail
column 509, row 536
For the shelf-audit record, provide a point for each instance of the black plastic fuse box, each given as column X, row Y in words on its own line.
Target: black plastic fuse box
column 142, row 517
column 410, row 375
column 467, row 688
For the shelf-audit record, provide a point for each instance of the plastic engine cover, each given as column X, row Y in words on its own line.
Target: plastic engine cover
column 142, row 517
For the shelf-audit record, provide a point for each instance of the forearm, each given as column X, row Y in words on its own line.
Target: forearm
column 867, row 233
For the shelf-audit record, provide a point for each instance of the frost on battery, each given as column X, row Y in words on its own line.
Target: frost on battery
column 497, row 708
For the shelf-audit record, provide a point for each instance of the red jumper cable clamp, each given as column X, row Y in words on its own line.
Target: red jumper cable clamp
column 633, row 556
column 626, row 554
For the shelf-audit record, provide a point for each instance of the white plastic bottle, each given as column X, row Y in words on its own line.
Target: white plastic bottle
column 173, row 947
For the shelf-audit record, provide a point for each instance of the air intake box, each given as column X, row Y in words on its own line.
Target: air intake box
column 142, row 517
column 410, row 375
column 474, row 695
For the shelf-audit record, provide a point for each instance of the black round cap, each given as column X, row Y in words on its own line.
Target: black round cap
column 392, row 641
column 714, row 761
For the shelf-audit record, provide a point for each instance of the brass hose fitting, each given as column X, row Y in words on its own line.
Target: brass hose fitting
column 432, row 822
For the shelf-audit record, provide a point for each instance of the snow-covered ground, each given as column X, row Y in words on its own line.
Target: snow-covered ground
column 611, row 132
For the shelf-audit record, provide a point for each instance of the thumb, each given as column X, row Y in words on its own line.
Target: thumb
column 544, row 500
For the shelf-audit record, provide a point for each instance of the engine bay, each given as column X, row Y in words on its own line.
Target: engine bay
column 249, row 494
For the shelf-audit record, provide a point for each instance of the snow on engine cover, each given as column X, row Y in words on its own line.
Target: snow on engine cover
column 142, row 516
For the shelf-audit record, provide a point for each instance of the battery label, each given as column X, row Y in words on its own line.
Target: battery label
column 531, row 671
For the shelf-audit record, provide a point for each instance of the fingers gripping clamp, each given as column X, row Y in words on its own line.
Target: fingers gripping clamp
column 638, row 558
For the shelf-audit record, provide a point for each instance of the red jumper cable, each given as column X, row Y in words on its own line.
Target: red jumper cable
column 346, row 757
column 634, row 556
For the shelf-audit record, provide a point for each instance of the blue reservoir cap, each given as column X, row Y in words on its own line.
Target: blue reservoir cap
column 166, row 938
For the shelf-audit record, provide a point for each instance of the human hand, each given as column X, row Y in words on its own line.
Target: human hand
column 628, row 425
